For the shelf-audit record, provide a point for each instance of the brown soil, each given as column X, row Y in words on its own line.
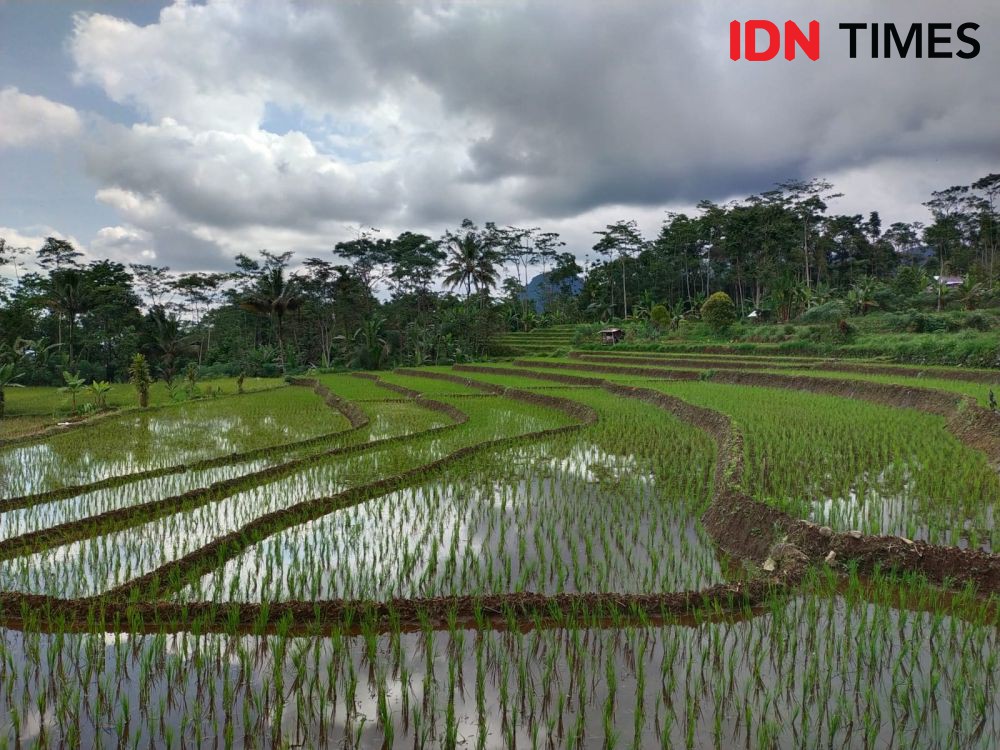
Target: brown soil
column 519, row 611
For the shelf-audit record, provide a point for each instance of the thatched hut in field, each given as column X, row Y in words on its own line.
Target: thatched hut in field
column 612, row 335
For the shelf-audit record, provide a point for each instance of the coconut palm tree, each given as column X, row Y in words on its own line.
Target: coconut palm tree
column 471, row 262
column 275, row 296
column 170, row 342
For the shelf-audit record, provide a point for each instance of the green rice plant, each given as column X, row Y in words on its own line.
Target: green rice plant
column 610, row 506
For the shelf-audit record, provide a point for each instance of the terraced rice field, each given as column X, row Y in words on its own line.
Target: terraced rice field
column 599, row 550
column 540, row 341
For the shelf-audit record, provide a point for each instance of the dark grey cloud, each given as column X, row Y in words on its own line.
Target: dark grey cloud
column 417, row 114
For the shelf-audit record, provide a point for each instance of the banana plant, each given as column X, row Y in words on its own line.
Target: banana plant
column 74, row 386
column 100, row 389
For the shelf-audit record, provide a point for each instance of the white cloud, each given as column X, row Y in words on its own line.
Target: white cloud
column 33, row 238
column 27, row 120
column 280, row 124
column 124, row 244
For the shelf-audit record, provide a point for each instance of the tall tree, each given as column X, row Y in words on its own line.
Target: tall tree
column 989, row 219
column 804, row 198
column 67, row 296
column 621, row 238
column 945, row 234
column 10, row 255
column 471, row 260
column 57, row 254
column 154, row 282
column 415, row 259
column 274, row 294
column 111, row 321
column 370, row 256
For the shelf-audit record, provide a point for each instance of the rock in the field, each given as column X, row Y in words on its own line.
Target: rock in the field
column 825, row 531
column 831, row 558
column 854, row 534
column 785, row 556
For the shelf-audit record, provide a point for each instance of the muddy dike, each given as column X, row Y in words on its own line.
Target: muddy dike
column 520, row 611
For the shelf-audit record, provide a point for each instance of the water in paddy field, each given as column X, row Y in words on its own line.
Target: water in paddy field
column 890, row 503
column 613, row 508
column 178, row 434
column 810, row 672
column 151, row 443
column 588, row 521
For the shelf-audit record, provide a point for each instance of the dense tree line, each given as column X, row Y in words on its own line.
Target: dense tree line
column 781, row 252
column 413, row 299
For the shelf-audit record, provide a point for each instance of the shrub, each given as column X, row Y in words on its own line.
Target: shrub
column 719, row 312
column 660, row 316
column 74, row 386
column 927, row 323
column 100, row 389
column 828, row 312
column 910, row 281
column 978, row 322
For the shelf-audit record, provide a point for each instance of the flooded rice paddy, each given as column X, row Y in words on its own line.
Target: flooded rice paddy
column 564, row 490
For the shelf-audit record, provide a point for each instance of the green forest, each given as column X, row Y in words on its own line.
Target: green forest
column 781, row 257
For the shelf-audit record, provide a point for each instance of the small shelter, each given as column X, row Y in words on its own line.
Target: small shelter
column 612, row 335
column 950, row 282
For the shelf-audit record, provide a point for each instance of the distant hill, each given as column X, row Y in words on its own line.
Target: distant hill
column 918, row 255
column 539, row 289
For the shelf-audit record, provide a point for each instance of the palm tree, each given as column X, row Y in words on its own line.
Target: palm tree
column 470, row 263
column 972, row 293
column 67, row 296
column 170, row 342
column 275, row 297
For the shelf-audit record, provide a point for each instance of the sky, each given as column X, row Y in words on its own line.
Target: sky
column 183, row 133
